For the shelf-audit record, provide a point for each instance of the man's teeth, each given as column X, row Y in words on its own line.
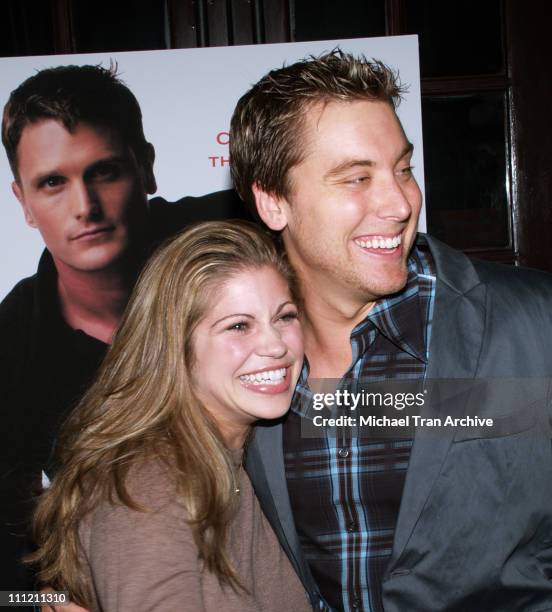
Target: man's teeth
column 268, row 377
column 380, row 243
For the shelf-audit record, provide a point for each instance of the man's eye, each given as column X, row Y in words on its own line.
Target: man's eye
column 105, row 172
column 357, row 180
column 52, row 181
column 407, row 171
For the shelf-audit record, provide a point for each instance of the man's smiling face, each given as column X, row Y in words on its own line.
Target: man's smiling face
column 351, row 214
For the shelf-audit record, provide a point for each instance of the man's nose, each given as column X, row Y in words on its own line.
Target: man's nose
column 84, row 202
column 393, row 201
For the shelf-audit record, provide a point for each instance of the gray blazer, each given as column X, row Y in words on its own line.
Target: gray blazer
column 474, row 532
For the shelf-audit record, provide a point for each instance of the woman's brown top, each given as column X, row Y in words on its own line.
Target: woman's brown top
column 144, row 561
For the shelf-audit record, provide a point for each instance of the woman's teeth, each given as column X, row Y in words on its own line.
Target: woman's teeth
column 267, row 377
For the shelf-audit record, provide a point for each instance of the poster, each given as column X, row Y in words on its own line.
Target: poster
column 187, row 97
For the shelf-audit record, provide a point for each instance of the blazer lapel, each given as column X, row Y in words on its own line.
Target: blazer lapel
column 457, row 332
column 265, row 465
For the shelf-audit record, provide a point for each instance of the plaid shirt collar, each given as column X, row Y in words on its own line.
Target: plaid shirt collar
column 405, row 329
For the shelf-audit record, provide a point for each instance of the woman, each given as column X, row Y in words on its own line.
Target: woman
column 151, row 509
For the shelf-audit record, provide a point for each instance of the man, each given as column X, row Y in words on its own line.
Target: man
column 82, row 171
column 458, row 518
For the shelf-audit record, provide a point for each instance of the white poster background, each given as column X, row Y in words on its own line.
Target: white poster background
column 187, row 97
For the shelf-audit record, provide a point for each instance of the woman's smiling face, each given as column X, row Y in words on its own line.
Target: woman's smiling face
column 248, row 351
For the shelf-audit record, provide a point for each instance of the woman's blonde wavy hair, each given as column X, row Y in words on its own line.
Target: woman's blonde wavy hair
column 142, row 407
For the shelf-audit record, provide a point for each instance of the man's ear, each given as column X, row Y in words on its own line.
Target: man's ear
column 150, row 184
column 18, row 193
column 272, row 209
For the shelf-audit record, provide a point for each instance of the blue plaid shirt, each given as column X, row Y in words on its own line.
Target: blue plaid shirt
column 345, row 490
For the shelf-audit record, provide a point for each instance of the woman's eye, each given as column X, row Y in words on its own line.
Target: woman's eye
column 239, row 327
column 289, row 316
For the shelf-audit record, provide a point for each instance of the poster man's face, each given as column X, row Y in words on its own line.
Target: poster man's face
column 350, row 219
column 83, row 191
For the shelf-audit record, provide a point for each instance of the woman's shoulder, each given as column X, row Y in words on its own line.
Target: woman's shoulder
column 149, row 486
column 148, row 497
column 152, row 482
column 117, row 535
column 141, row 557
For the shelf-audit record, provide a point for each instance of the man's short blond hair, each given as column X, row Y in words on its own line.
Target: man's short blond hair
column 266, row 131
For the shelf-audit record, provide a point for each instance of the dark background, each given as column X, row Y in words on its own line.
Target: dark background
column 486, row 88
